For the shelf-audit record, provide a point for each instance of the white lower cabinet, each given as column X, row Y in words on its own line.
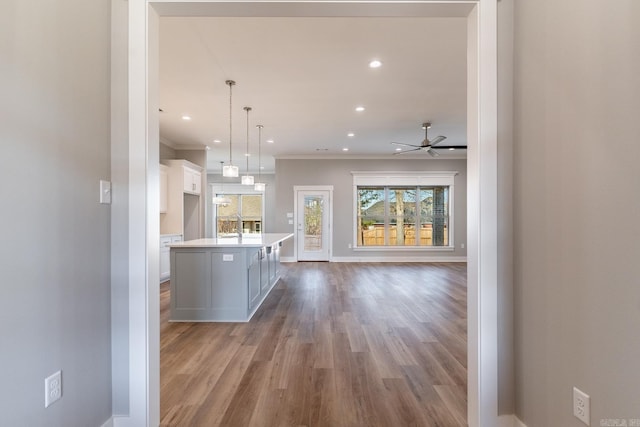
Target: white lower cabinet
column 165, row 256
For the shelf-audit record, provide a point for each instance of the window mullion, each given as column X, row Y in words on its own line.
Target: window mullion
column 386, row 216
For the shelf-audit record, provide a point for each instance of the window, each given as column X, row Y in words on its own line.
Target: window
column 246, row 208
column 411, row 210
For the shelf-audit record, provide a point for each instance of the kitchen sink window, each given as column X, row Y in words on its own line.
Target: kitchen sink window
column 242, row 214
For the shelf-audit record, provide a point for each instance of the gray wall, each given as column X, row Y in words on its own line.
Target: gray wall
column 197, row 157
column 119, row 209
column 577, row 227
column 337, row 172
column 54, row 299
column 166, row 152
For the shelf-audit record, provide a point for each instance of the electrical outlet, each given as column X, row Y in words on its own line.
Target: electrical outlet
column 461, row 245
column 581, row 406
column 52, row 388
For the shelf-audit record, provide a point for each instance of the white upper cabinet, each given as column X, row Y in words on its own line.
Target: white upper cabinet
column 192, row 180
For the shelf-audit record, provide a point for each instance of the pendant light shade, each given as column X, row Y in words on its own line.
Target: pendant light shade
column 247, row 179
column 221, row 199
column 230, row 170
column 259, row 186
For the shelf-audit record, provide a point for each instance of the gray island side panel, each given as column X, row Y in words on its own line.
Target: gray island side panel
column 217, row 280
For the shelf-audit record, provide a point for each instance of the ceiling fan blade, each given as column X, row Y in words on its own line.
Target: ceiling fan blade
column 432, row 152
column 406, row 145
column 450, row 147
column 437, row 140
column 407, row 151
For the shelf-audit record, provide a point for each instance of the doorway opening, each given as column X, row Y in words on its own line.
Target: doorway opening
column 143, row 346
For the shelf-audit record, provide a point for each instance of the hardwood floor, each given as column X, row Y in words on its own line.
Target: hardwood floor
column 333, row 345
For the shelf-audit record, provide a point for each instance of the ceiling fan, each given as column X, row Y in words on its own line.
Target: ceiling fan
column 429, row 145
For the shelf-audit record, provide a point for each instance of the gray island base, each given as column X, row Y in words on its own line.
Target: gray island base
column 223, row 279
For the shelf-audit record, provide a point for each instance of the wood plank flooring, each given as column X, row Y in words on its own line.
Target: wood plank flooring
column 334, row 344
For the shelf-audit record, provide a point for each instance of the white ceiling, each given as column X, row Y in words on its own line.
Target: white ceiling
column 303, row 78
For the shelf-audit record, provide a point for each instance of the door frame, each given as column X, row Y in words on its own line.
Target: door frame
column 296, row 208
column 134, row 127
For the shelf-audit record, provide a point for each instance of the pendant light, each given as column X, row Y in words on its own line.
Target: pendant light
column 259, row 186
column 247, row 179
column 221, row 199
column 230, row 170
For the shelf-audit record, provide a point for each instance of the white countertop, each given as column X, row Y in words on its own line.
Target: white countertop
column 247, row 241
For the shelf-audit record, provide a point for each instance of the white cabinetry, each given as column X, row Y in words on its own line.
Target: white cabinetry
column 165, row 256
column 192, row 180
column 183, row 214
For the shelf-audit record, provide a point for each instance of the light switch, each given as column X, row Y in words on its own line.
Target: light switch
column 105, row 192
column 290, row 222
column 227, row 257
column 289, row 214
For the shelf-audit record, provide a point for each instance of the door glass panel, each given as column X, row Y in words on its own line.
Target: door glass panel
column 251, row 213
column 313, row 207
column 228, row 217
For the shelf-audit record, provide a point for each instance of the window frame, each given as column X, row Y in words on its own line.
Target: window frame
column 239, row 190
column 388, row 179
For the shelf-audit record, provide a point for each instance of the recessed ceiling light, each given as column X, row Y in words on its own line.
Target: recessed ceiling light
column 186, row 117
column 345, row 149
column 216, row 141
column 451, row 149
column 351, row 134
column 398, row 149
column 247, row 154
column 375, row 63
column 359, row 108
column 270, row 141
column 261, row 167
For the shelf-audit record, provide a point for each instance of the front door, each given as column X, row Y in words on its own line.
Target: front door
column 313, row 228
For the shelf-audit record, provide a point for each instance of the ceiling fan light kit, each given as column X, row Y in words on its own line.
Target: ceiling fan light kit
column 430, row 146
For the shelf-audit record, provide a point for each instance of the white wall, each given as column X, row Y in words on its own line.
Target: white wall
column 577, row 208
column 337, row 172
column 55, row 293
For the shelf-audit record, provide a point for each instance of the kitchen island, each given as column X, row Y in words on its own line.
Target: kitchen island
column 223, row 279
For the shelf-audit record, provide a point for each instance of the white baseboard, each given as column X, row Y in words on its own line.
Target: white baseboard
column 400, row 259
column 388, row 259
column 108, row 423
column 509, row 421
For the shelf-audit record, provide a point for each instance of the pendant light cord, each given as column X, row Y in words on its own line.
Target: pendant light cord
column 247, row 109
column 259, row 152
column 230, row 83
